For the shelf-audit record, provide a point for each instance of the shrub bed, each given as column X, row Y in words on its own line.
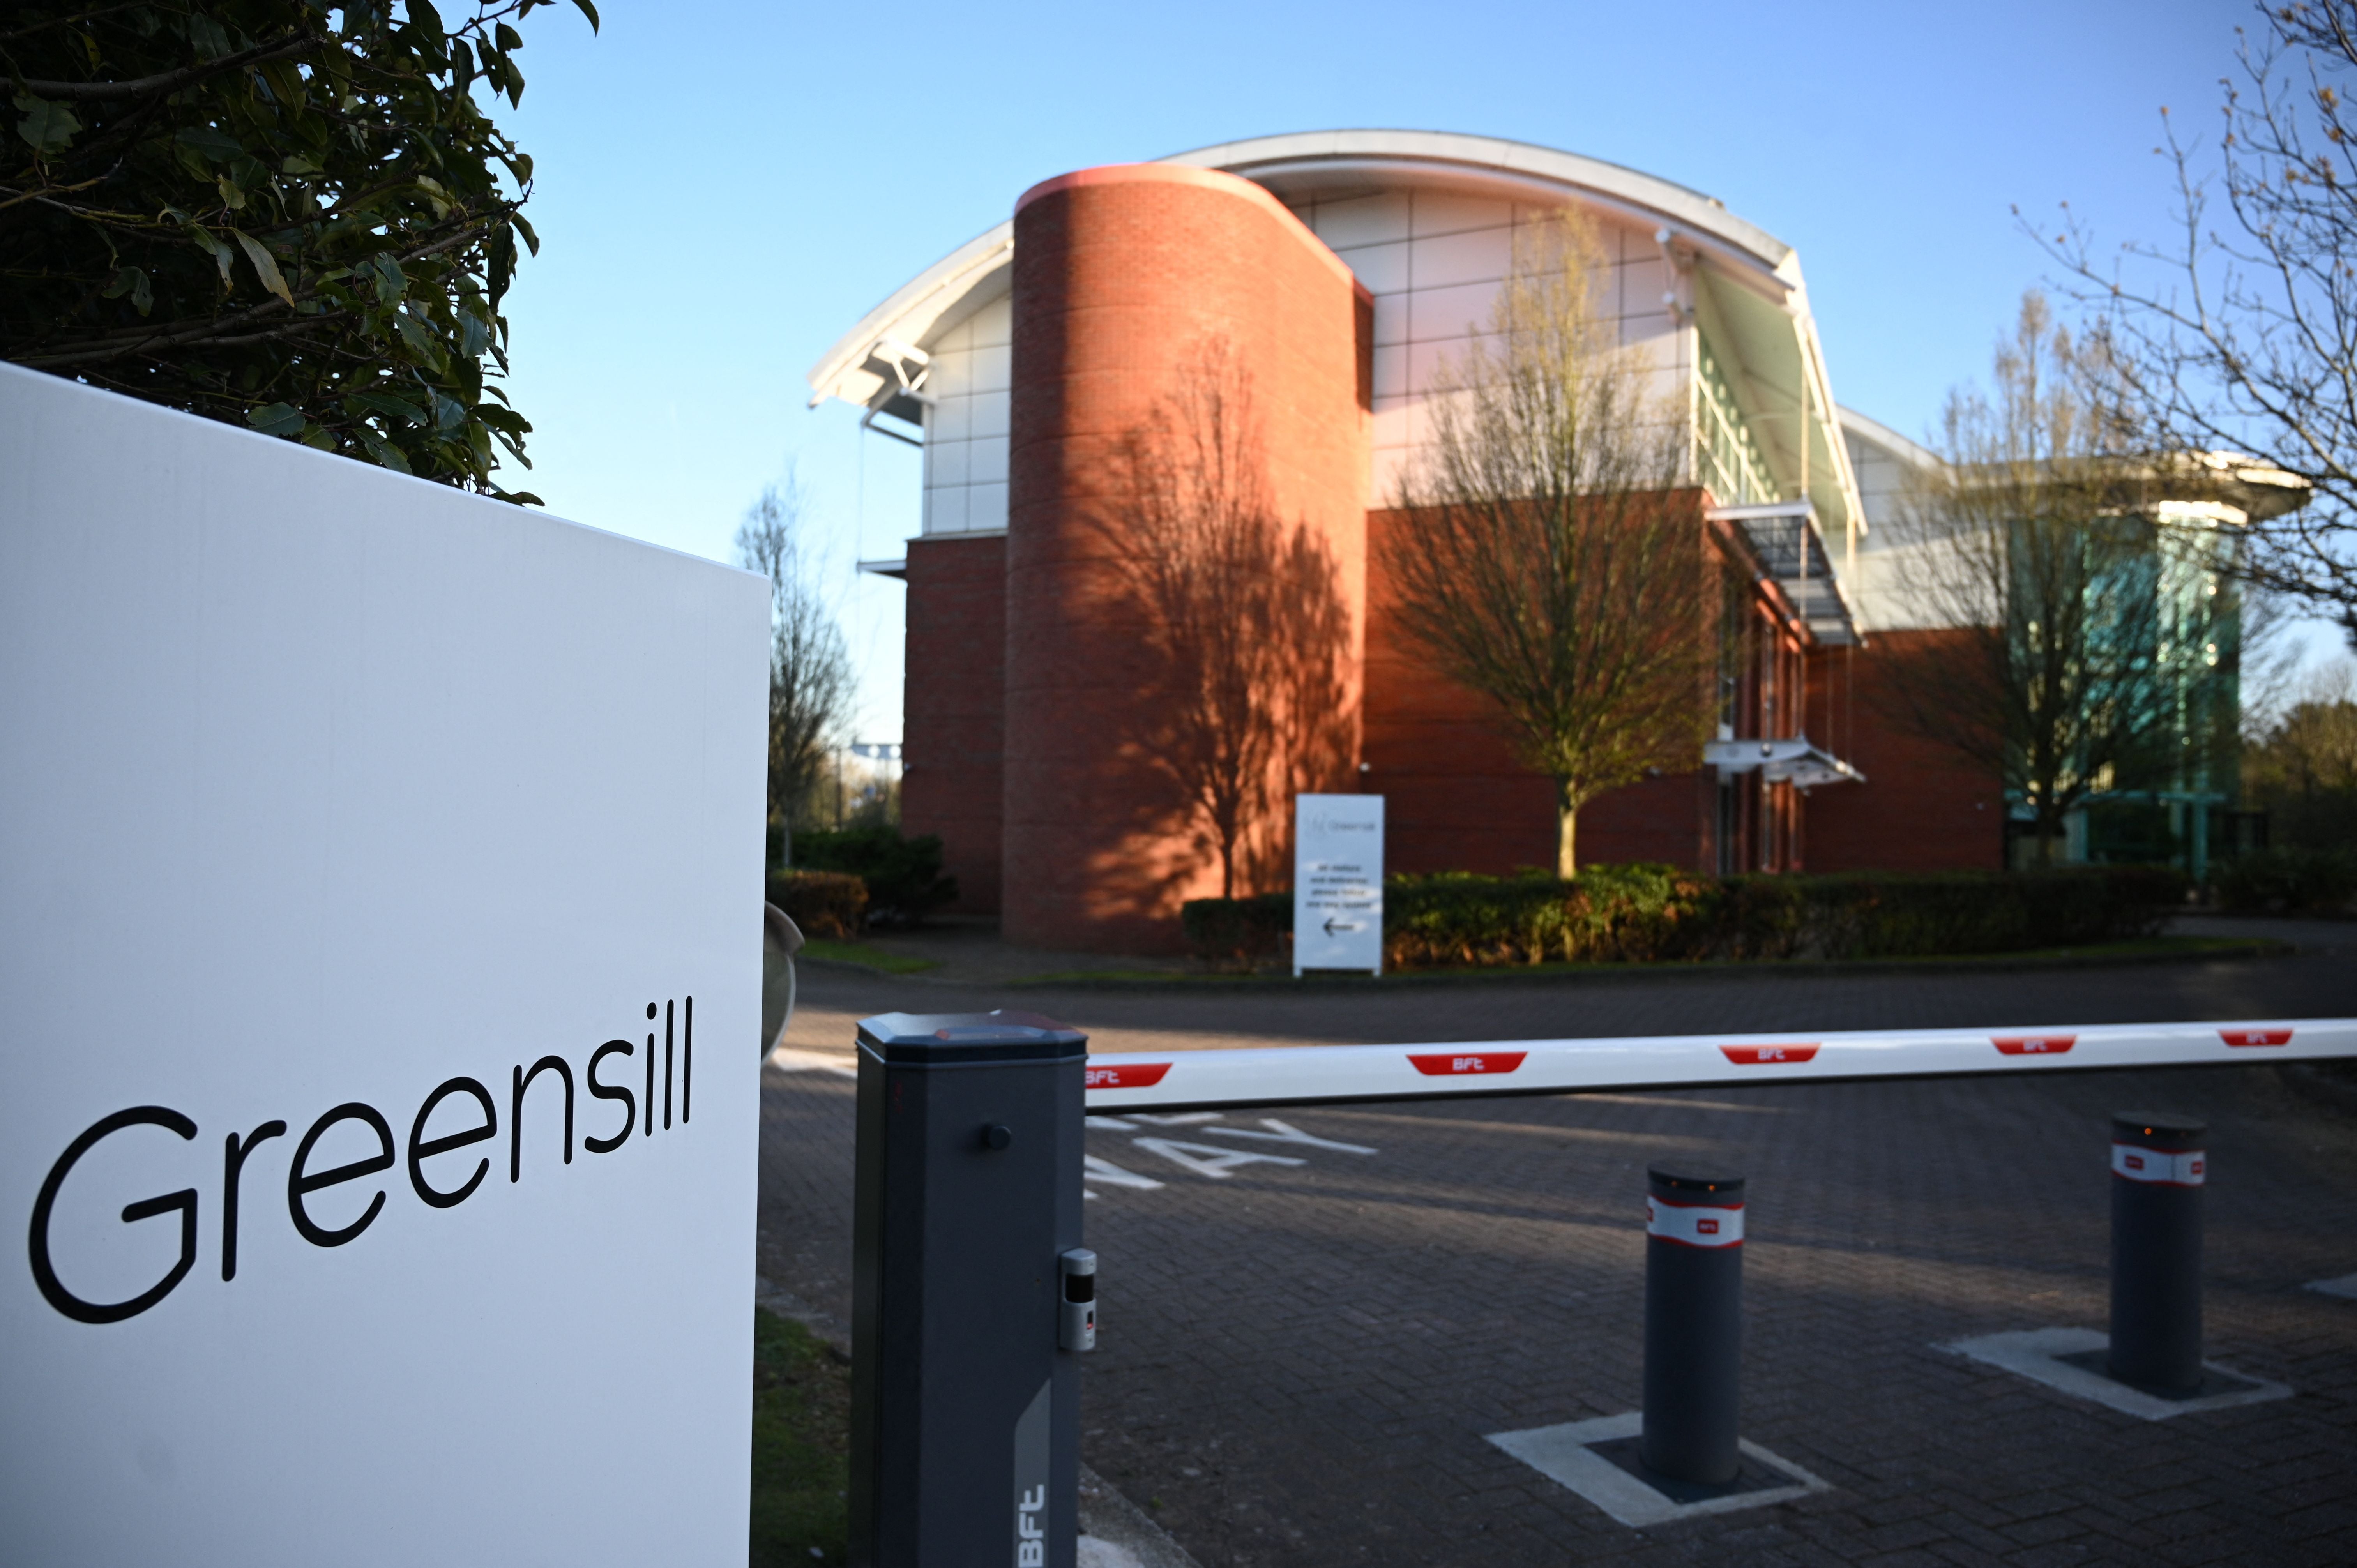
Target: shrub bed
column 1658, row 914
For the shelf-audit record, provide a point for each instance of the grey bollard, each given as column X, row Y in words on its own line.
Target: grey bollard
column 1693, row 1323
column 2159, row 1165
column 965, row 1407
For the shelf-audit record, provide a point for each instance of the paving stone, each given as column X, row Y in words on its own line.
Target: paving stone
column 1325, row 1346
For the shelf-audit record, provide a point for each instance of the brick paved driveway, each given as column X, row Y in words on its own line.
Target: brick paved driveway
column 1301, row 1359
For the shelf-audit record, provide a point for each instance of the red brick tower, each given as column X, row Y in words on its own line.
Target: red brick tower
column 1121, row 276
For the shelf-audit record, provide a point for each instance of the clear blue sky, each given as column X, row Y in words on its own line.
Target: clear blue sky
column 724, row 189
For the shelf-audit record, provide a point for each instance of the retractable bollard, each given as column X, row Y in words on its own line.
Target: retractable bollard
column 2159, row 1165
column 1694, row 1324
column 966, row 1264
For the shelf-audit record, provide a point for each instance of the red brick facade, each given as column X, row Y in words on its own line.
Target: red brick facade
column 1923, row 807
column 951, row 781
column 1122, row 275
column 1024, row 676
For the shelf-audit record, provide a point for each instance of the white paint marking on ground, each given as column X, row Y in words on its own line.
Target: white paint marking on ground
column 2346, row 1285
column 1562, row 1455
column 1096, row 1551
column 785, row 1059
column 1209, row 1159
column 1113, row 1121
column 1114, row 1176
column 2032, row 1353
column 1182, row 1119
column 1285, row 1133
column 1656, row 1102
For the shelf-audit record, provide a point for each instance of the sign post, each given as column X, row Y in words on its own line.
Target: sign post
column 1338, row 882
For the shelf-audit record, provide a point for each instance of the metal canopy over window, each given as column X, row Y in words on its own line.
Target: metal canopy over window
column 1784, row 538
column 1796, row 761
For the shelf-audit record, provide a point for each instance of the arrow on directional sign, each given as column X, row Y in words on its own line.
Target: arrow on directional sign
column 1347, row 926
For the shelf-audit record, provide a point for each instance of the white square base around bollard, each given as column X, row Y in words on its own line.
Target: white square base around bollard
column 2039, row 1355
column 1566, row 1456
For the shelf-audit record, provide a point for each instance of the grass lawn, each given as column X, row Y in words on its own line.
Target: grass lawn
column 802, row 1445
column 862, row 953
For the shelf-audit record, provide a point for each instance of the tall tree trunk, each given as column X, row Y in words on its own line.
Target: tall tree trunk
column 1566, row 832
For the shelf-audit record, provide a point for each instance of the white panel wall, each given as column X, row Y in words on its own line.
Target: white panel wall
column 1434, row 259
column 1892, row 589
column 966, row 430
column 323, row 787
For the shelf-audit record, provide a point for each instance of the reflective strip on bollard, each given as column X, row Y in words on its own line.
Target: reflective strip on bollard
column 1693, row 1225
column 2138, row 1164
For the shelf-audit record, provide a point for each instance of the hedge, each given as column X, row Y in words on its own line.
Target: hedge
column 822, row 903
column 2287, row 880
column 904, row 875
column 1657, row 914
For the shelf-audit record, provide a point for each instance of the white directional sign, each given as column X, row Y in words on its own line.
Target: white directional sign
column 379, row 867
column 1338, row 882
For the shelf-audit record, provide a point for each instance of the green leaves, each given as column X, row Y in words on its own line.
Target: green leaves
column 275, row 419
column 219, row 253
column 133, row 282
column 266, row 267
column 315, row 243
column 48, row 127
column 207, row 142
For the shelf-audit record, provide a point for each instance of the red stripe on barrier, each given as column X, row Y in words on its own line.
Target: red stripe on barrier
column 1446, row 1063
column 1762, row 1055
column 2034, row 1045
column 2256, row 1037
column 1137, row 1075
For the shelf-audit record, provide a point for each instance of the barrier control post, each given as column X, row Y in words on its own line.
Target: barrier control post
column 966, row 1248
column 2158, row 1167
column 1693, row 1323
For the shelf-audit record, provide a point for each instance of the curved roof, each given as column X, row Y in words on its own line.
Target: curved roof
column 1304, row 162
column 1752, row 294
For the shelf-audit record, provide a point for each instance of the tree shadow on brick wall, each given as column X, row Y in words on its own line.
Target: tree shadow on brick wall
column 1240, row 621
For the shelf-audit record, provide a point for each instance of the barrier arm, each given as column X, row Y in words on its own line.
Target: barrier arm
column 1309, row 1075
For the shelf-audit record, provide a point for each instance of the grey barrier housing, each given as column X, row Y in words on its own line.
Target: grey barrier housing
column 965, row 1251
column 1694, row 1324
column 2159, row 1167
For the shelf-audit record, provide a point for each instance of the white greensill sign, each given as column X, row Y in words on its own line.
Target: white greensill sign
column 379, row 874
column 1338, row 882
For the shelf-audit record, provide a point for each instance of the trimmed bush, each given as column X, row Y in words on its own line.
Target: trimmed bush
column 822, row 903
column 904, row 875
column 1658, row 914
column 2287, row 881
column 1238, row 933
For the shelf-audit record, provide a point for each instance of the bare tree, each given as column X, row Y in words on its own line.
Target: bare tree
column 2303, row 768
column 1240, row 615
column 2086, row 632
column 1542, row 562
column 2242, row 334
column 811, row 679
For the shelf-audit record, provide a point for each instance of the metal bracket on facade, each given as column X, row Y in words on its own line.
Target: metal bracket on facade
column 904, row 371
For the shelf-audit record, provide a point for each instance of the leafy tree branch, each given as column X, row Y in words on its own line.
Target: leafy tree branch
column 290, row 215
